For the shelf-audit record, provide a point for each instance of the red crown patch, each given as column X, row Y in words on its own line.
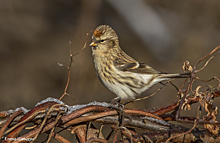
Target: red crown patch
column 97, row 33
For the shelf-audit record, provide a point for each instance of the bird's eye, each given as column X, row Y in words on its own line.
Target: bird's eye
column 102, row 40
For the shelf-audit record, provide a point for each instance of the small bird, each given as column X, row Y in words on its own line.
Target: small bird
column 120, row 73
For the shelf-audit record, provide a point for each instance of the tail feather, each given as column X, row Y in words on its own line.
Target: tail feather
column 178, row 75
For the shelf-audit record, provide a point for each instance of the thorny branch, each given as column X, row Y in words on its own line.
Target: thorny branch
column 51, row 115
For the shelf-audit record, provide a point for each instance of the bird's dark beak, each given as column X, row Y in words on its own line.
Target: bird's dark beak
column 93, row 44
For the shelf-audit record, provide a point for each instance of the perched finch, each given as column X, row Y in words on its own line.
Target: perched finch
column 120, row 73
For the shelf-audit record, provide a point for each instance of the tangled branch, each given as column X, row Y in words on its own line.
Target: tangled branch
column 103, row 122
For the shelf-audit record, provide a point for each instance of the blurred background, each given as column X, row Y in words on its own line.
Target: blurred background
column 34, row 37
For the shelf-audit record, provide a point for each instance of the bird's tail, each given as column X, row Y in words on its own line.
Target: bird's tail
column 178, row 75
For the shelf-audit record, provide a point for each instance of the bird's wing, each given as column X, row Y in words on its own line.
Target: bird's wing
column 124, row 62
column 136, row 68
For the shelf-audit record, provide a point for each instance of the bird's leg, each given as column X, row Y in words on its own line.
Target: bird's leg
column 119, row 108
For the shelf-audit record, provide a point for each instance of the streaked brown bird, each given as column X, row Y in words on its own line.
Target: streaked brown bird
column 120, row 73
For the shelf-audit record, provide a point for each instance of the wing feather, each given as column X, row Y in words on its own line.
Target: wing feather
column 137, row 68
column 124, row 62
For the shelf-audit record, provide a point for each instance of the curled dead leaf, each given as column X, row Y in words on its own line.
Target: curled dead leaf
column 187, row 66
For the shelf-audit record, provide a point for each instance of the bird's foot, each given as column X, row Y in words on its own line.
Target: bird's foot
column 119, row 107
column 116, row 102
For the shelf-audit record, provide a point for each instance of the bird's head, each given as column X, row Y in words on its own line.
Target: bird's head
column 104, row 38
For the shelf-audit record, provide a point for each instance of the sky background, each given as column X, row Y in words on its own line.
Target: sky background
column 34, row 37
